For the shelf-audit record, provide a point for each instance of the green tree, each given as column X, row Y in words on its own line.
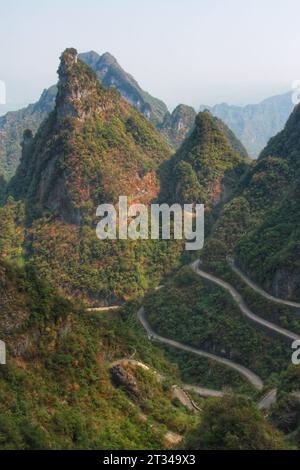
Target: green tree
column 234, row 424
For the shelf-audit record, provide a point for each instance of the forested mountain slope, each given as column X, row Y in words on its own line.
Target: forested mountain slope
column 110, row 74
column 207, row 167
column 93, row 148
column 261, row 224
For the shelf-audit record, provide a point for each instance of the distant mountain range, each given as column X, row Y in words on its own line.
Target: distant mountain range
column 255, row 124
column 13, row 125
column 109, row 73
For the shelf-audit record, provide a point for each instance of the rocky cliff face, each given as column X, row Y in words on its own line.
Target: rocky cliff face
column 178, row 125
column 78, row 92
column 93, row 147
column 124, row 378
column 110, row 74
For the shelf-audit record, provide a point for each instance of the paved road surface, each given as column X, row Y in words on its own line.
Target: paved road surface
column 203, row 392
column 184, row 398
column 241, row 303
column 104, row 309
column 250, row 376
column 270, row 398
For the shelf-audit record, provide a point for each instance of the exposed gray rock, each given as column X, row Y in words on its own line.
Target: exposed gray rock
column 121, row 377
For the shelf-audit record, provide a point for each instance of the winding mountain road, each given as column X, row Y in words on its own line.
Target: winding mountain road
column 250, row 376
column 242, row 305
column 258, row 289
column 203, row 392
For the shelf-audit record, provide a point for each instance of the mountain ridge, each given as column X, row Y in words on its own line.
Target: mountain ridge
column 255, row 124
column 208, row 164
column 92, row 148
column 13, row 124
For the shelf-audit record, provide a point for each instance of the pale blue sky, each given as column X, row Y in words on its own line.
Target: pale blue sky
column 189, row 51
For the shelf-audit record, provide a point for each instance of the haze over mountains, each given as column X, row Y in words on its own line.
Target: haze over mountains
column 108, row 71
column 254, row 124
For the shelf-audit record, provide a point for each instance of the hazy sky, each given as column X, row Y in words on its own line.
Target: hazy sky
column 188, row 51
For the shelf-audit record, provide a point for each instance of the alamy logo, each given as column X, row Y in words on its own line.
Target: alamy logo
column 2, row 353
column 2, row 92
column 159, row 221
